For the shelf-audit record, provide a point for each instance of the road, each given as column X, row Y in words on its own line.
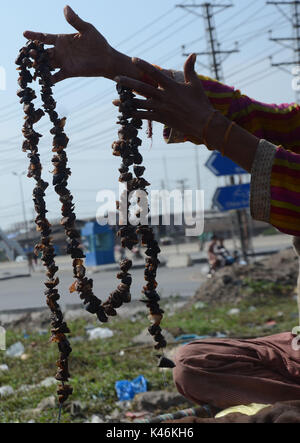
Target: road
column 23, row 293
column 27, row 293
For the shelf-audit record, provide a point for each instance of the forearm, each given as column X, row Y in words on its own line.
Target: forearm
column 122, row 64
column 280, row 124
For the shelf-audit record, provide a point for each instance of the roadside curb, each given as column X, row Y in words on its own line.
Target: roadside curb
column 116, row 267
column 141, row 265
column 13, row 277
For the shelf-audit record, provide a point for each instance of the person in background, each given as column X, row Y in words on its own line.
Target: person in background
column 213, row 255
column 225, row 257
column 30, row 262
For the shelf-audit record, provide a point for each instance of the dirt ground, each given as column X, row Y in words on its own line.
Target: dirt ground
column 276, row 274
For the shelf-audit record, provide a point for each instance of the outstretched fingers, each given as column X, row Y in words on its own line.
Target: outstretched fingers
column 59, row 76
column 47, row 39
column 190, row 75
column 148, row 115
column 139, row 87
column 150, row 105
column 74, row 20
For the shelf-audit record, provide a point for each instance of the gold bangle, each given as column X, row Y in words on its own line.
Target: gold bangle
column 226, row 137
column 205, row 129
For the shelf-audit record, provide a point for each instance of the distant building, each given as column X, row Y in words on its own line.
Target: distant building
column 222, row 224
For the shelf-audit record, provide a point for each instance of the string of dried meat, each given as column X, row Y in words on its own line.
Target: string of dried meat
column 127, row 147
column 33, row 56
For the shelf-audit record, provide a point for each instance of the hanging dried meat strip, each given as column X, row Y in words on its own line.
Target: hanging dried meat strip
column 127, row 147
column 38, row 58
column 61, row 174
column 30, row 145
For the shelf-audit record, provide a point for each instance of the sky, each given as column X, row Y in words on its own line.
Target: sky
column 154, row 31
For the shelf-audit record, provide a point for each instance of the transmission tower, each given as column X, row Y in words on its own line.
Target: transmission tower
column 216, row 58
column 292, row 42
column 214, row 52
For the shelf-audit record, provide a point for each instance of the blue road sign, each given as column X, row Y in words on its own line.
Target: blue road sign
column 222, row 166
column 232, row 197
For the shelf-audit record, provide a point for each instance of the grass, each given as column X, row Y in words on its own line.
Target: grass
column 94, row 376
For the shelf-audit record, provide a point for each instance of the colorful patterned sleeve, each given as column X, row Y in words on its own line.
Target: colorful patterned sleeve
column 275, row 183
column 275, row 188
column 280, row 124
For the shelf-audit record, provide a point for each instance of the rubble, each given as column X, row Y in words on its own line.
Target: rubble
column 96, row 419
column 144, row 338
column 158, row 400
column 100, row 334
column 15, row 351
column 6, row 391
column 47, row 403
column 231, row 284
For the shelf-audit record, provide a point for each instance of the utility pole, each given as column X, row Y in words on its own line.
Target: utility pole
column 198, row 177
column 182, row 186
column 216, row 57
column 292, row 42
column 214, row 50
column 182, row 183
column 20, row 175
column 166, row 172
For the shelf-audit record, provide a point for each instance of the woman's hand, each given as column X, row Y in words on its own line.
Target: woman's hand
column 84, row 54
column 186, row 108
column 181, row 106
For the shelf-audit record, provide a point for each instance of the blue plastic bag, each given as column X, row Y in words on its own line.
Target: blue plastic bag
column 185, row 339
column 126, row 390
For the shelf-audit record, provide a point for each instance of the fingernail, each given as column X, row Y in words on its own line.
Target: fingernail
column 69, row 9
column 117, row 79
column 136, row 60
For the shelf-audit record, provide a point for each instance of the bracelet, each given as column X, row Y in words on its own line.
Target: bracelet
column 205, row 129
column 226, row 138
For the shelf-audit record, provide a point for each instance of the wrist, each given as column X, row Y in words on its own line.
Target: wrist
column 216, row 132
column 232, row 141
column 111, row 67
column 120, row 64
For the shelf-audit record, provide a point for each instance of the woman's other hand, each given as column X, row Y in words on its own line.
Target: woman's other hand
column 83, row 54
column 181, row 106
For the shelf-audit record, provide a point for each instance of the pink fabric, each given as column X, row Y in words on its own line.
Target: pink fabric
column 225, row 373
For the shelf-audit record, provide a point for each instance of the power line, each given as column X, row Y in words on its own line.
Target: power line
column 246, row 21
column 118, row 45
column 214, row 51
column 255, row 62
column 256, row 80
column 294, row 40
column 89, row 103
column 215, row 54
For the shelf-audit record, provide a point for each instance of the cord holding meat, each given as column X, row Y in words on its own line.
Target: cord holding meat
column 33, row 56
column 127, row 147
